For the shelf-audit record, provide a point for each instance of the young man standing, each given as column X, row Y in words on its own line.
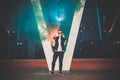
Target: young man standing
column 58, row 49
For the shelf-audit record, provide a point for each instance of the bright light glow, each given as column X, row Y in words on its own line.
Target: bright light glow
column 60, row 18
column 52, row 33
column 118, row 42
column 114, row 21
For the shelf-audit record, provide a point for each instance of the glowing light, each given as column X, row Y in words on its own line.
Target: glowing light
column 91, row 42
column 98, row 19
column 20, row 43
column 52, row 33
column 13, row 31
column 114, row 21
column 118, row 42
column 8, row 31
column 60, row 18
column 17, row 43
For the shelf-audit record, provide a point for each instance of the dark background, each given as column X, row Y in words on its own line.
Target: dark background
column 88, row 43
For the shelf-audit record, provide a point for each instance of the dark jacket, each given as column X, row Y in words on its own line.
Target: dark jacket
column 55, row 47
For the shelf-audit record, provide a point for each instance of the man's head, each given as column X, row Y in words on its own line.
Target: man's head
column 59, row 33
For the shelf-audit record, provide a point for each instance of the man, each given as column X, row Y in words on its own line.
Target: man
column 58, row 49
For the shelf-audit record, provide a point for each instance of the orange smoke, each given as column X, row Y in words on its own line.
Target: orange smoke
column 52, row 33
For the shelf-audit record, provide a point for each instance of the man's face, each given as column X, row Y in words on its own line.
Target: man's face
column 59, row 33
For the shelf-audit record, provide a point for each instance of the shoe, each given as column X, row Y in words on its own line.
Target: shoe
column 52, row 72
column 60, row 73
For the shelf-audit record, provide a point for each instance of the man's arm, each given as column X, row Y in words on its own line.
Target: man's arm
column 65, row 41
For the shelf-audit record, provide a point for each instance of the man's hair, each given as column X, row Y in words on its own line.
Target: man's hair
column 59, row 29
column 61, row 32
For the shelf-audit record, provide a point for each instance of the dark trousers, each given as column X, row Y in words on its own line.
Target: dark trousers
column 55, row 56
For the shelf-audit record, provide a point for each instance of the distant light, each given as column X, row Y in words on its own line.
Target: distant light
column 91, row 42
column 110, row 30
column 60, row 18
column 17, row 43
column 81, row 30
column 13, row 31
column 105, row 30
column 20, row 43
column 8, row 31
column 118, row 42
